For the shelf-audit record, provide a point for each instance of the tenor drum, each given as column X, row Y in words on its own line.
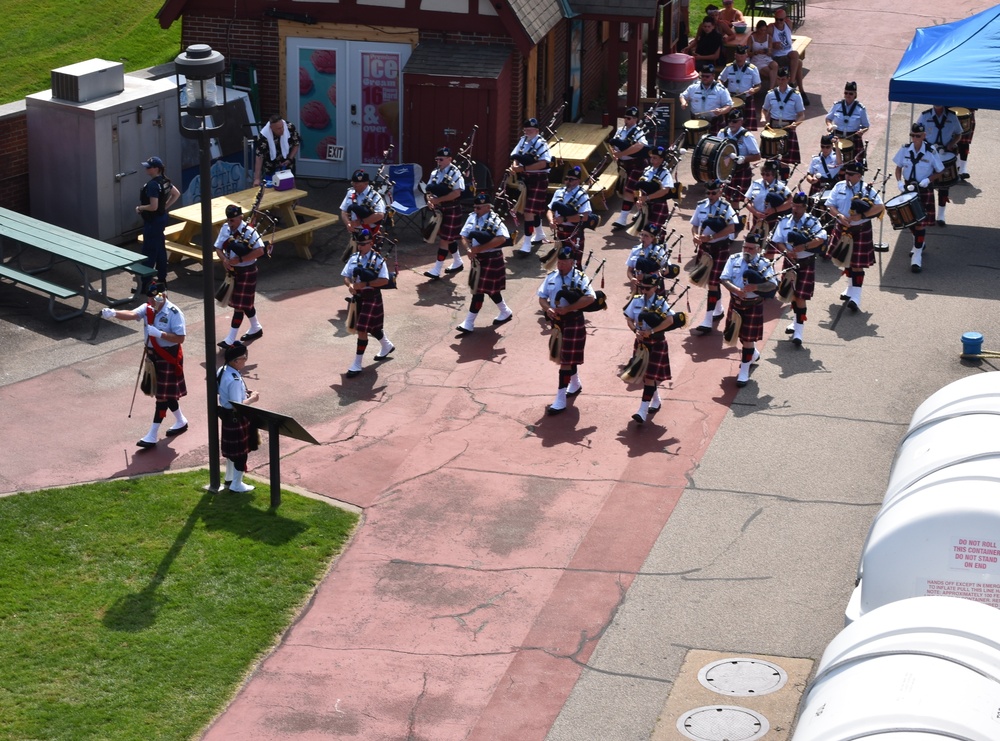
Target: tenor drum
column 846, row 147
column 905, row 210
column 694, row 130
column 772, row 142
column 964, row 118
column 713, row 157
column 949, row 176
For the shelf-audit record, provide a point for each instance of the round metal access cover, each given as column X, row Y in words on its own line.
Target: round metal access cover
column 722, row 723
column 742, row 677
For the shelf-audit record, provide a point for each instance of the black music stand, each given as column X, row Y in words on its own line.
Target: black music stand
column 276, row 424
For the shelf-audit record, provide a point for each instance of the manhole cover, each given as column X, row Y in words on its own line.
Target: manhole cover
column 723, row 723
column 742, row 677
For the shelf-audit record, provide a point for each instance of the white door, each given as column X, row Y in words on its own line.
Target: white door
column 137, row 138
column 345, row 98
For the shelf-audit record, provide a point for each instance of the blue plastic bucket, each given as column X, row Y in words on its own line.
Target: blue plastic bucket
column 972, row 343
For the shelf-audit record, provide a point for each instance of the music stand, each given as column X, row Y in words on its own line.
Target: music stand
column 276, row 424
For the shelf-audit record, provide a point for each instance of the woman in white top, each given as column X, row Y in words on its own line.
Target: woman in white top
column 760, row 45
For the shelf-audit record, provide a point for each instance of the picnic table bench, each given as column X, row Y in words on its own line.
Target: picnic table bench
column 90, row 257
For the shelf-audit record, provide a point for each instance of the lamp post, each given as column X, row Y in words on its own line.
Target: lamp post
column 202, row 112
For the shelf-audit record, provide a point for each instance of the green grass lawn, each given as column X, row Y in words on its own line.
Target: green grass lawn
column 133, row 609
column 38, row 36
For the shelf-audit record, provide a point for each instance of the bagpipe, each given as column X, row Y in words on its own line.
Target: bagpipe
column 647, row 320
column 432, row 225
column 490, row 230
column 756, row 274
column 644, row 126
column 570, row 294
column 464, row 162
column 239, row 243
column 381, row 183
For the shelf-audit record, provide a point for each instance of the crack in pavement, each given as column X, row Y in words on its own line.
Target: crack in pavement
column 460, row 616
column 412, row 717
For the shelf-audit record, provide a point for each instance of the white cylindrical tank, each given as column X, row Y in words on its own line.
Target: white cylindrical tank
column 939, row 536
column 919, row 669
column 976, row 394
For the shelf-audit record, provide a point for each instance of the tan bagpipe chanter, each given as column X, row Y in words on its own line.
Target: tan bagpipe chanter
column 648, row 320
column 570, row 294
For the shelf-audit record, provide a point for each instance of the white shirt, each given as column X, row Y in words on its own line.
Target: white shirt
column 783, row 106
column 168, row 319
column 453, row 174
column 368, row 197
column 488, row 222
column 758, row 190
column 843, row 194
column 746, row 143
column 807, row 223
column 721, row 208
column 231, row 387
column 832, row 168
column 371, row 260
column 848, row 118
column 536, row 146
column 576, row 198
column 739, row 79
column 736, row 266
column 703, row 99
column 243, row 231
column 641, row 303
column 917, row 165
column 555, row 282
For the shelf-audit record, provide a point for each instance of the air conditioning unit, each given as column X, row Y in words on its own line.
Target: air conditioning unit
column 90, row 80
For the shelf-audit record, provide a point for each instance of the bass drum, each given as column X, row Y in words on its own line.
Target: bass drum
column 713, row 158
column 904, row 210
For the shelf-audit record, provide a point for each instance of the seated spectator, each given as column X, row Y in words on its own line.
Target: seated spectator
column 760, row 47
column 781, row 38
column 707, row 45
column 726, row 18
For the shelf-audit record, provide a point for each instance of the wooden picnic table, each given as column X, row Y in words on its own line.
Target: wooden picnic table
column 581, row 144
column 297, row 223
column 91, row 258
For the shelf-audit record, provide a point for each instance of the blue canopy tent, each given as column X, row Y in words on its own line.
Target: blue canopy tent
column 957, row 64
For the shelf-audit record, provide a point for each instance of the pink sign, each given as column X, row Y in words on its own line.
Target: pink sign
column 380, row 96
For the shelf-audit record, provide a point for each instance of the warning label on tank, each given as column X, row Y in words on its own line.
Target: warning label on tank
column 971, row 554
column 987, row 594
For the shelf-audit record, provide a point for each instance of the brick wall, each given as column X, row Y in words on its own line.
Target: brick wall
column 14, row 157
column 254, row 41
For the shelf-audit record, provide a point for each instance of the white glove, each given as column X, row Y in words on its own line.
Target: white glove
column 925, row 182
column 740, row 160
column 154, row 331
column 902, row 185
column 108, row 313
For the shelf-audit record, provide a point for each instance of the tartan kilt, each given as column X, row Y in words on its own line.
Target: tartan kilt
column 633, row 171
column 927, row 201
column 244, row 288
column 235, row 438
column 371, row 312
column 863, row 255
column 792, row 154
column 658, row 368
column 719, row 252
column 451, row 223
column 715, row 125
column 170, row 383
column 493, row 275
column 536, row 197
column 577, row 241
column 739, row 181
column 658, row 210
column 805, row 277
column 574, row 338
column 752, row 312
column 749, row 112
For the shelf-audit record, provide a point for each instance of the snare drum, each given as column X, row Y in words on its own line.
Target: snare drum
column 964, row 118
column 905, row 210
column 713, row 157
column 949, row 176
column 772, row 142
column 694, row 130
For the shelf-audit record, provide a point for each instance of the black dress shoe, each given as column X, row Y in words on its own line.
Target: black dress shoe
column 571, row 394
column 701, row 331
column 940, row 222
column 498, row 321
column 638, row 418
column 145, row 444
column 805, row 99
column 252, row 335
column 654, row 410
column 797, row 341
column 224, row 345
column 964, row 176
column 522, row 253
column 789, row 330
column 853, row 306
column 916, row 269
column 179, row 431
column 552, row 411
column 352, row 373
column 463, row 330
column 618, row 227
column 741, row 384
column 452, row 271
column 429, row 274
column 386, row 354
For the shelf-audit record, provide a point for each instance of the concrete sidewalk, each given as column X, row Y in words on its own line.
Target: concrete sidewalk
column 518, row 576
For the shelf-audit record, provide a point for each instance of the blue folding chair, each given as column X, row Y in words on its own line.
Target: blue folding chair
column 407, row 199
